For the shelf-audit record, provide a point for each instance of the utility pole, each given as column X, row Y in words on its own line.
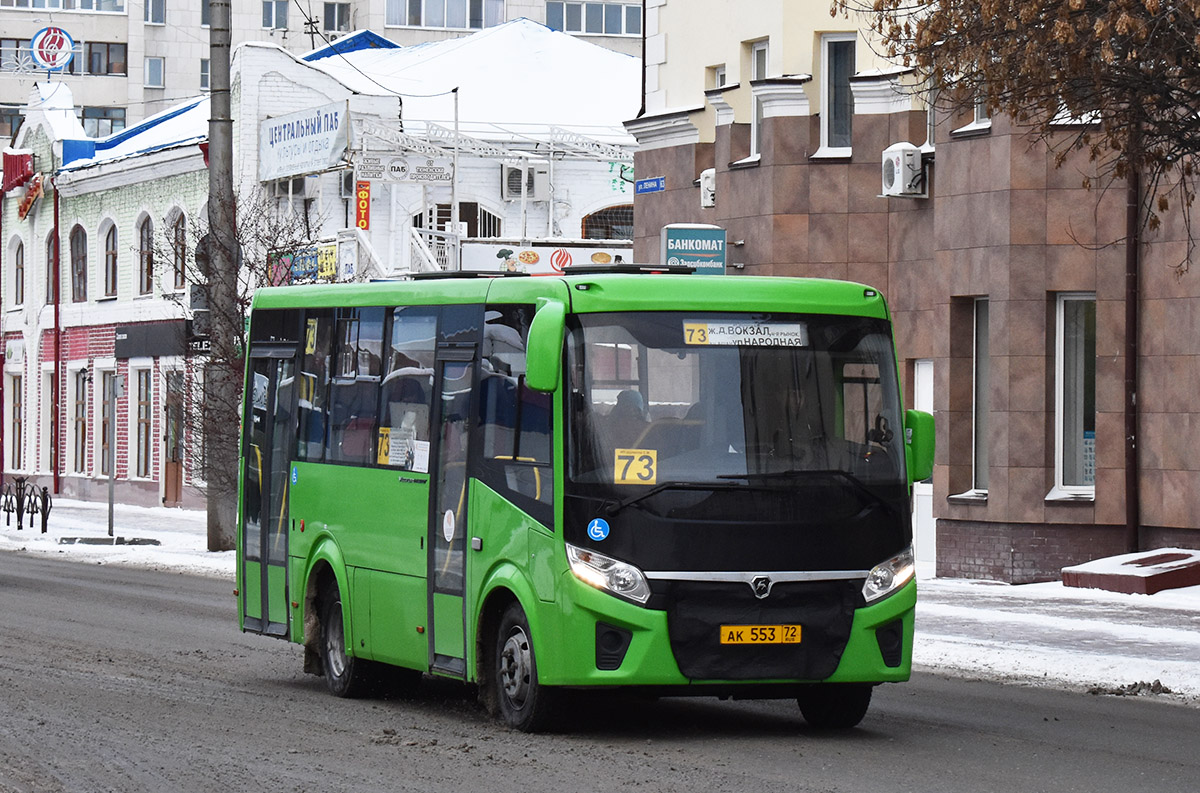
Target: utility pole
column 223, row 378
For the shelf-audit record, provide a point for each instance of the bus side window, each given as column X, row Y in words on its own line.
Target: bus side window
column 313, row 386
column 407, row 391
column 515, row 420
column 354, row 394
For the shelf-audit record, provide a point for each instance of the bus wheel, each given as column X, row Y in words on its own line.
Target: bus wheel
column 345, row 675
column 835, row 706
column 524, row 704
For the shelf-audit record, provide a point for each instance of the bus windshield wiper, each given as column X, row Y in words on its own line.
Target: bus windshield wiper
column 801, row 473
column 613, row 509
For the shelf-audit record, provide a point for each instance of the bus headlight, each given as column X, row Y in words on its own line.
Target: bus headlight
column 604, row 572
column 887, row 577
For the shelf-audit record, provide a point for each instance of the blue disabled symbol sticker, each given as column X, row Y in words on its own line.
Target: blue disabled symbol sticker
column 295, row 475
column 598, row 529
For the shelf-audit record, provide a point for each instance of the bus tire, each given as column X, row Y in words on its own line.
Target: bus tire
column 523, row 703
column 345, row 675
column 835, row 706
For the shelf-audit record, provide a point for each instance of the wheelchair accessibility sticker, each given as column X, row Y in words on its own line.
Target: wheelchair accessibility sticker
column 598, row 529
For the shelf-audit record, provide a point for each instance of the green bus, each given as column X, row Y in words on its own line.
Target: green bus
column 679, row 484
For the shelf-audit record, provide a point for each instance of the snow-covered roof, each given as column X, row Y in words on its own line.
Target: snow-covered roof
column 52, row 104
column 186, row 124
column 518, row 79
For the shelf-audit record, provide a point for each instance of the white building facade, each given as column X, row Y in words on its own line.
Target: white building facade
column 132, row 61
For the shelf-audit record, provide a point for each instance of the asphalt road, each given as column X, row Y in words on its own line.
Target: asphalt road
column 127, row 680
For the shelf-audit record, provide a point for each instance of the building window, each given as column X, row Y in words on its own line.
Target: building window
column 981, row 399
column 205, row 13
column 204, row 74
column 275, row 14
column 717, row 76
column 613, row 223
column 108, row 384
column 10, row 120
column 145, row 257
column 51, row 267
column 153, row 76
column 14, row 54
column 758, row 71
column 837, row 102
column 95, row 5
column 17, row 425
column 179, row 251
column 143, row 423
column 1075, row 395
column 155, row 11
column 79, row 411
column 19, row 275
column 99, row 122
column 105, row 58
column 110, row 262
column 337, row 17
column 79, row 271
column 607, row 19
column 461, row 14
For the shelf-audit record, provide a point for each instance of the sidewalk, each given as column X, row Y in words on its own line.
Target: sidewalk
column 1036, row 634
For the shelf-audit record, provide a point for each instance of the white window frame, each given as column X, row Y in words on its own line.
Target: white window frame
column 826, row 149
column 719, row 75
column 45, row 461
column 758, row 71
column 981, row 406
column 73, row 371
column 147, row 79
column 100, row 366
column 155, row 12
column 205, row 73
column 276, row 6
column 1061, row 490
column 15, row 443
column 340, row 10
column 132, row 446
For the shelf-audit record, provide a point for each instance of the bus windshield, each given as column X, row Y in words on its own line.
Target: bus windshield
column 731, row 400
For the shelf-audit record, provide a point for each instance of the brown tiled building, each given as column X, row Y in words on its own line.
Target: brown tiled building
column 1007, row 279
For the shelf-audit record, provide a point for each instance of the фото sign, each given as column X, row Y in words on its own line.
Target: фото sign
column 362, row 204
column 697, row 245
column 394, row 168
column 311, row 141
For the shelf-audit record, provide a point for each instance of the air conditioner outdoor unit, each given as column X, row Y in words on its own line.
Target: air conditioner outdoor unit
column 902, row 171
column 301, row 187
column 535, row 177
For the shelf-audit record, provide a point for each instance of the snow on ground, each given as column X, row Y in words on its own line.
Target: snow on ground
column 1034, row 634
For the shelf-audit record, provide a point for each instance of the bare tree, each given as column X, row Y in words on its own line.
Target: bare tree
column 265, row 230
column 1119, row 79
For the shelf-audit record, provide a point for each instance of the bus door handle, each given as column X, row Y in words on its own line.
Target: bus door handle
column 476, row 543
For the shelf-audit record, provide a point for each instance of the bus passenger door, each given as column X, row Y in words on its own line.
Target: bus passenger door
column 268, row 448
column 448, row 533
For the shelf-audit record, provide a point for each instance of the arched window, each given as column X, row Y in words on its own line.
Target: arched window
column 179, row 250
column 79, row 270
column 19, row 275
column 110, row 262
column 51, row 266
column 613, row 223
column 145, row 257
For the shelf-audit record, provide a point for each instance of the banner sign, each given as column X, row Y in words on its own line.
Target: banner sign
column 540, row 257
column 362, row 204
column 395, row 168
column 302, row 143
column 317, row 262
column 695, row 245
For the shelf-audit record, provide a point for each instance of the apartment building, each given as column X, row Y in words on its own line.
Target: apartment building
column 134, row 59
column 1006, row 277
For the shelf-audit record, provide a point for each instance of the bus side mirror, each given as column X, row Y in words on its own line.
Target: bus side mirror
column 918, row 438
column 543, row 353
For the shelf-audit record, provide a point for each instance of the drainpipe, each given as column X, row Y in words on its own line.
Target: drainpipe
column 3, row 353
column 54, row 389
column 1132, row 257
column 642, row 110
